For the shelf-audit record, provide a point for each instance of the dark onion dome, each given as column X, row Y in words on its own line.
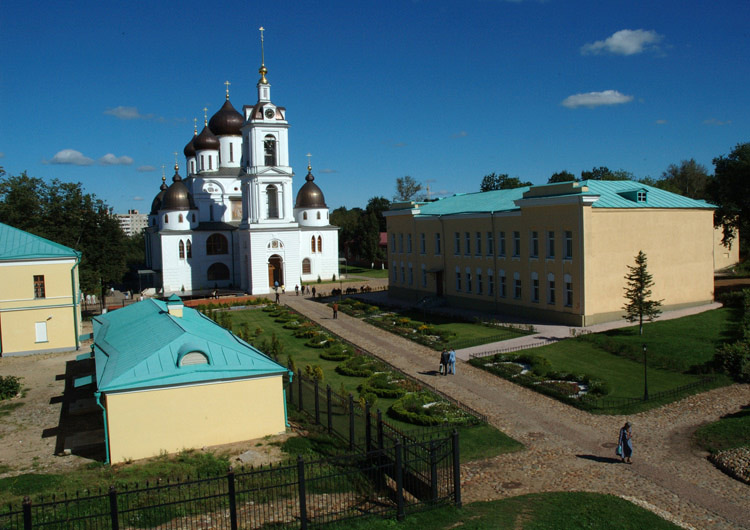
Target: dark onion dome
column 309, row 195
column 206, row 140
column 226, row 122
column 177, row 196
column 189, row 150
column 156, row 205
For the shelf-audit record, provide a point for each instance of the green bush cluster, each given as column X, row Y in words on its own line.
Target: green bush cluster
column 384, row 385
column 358, row 366
column 423, row 408
column 10, row 386
column 733, row 358
column 335, row 351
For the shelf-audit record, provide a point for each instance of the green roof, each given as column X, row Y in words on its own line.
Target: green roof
column 16, row 244
column 141, row 345
column 610, row 193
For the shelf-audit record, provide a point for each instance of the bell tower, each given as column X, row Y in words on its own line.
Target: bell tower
column 267, row 184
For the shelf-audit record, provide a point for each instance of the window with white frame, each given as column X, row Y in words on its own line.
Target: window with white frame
column 490, row 244
column 534, row 287
column 438, row 249
column 456, row 243
column 568, row 244
column 424, row 276
column 568, row 290
column 516, row 244
column 394, row 268
column 550, row 244
column 502, row 284
column 641, row 196
column 467, row 242
column 490, row 283
column 458, row 279
column 468, row 280
column 478, row 245
column 401, row 243
column 393, row 243
column 534, row 246
column 501, row 244
column 411, row 275
column 517, row 285
column 551, row 289
column 479, row 281
column 408, row 243
column 403, row 273
column 422, row 244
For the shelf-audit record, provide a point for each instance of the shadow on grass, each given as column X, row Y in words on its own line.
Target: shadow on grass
column 600, row 459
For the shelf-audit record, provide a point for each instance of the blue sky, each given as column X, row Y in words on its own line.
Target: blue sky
column 445, row 91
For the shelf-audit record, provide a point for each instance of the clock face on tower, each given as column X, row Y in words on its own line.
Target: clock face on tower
column 270, row 113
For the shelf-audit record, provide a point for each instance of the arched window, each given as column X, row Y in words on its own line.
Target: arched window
column 193, row 217
column 273, row 202
column 318, row 215
column 306, row 266
column 203, row 163
column 180, row 218
column 218, row 271
column 269, row 150
column 320, row 244
column 304, row 216
column 192, row 166
column 312, row 244
column 192, row 358
column 189, row 249
column 182, row 249
column 216, row 244
column 166, row 218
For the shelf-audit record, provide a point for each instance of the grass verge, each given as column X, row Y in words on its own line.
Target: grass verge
column 730, row 432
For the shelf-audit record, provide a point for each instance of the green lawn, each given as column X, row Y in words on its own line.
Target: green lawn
column 369, row 273
column 729, row 432
column 679, row 344
column 477, row 442
column 538, row 511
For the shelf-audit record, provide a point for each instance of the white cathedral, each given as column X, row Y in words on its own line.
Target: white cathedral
column 232, row 222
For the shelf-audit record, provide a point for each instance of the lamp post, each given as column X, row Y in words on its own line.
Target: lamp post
column 645, row 375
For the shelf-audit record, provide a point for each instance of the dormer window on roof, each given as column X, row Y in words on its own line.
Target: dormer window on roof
column 192, row 358
column 642, row 196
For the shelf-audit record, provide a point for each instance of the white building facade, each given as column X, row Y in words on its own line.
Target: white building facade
column 234, row 221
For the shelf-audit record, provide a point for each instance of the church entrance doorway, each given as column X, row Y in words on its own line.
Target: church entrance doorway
column 275, row 271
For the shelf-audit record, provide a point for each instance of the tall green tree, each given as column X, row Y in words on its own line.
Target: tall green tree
column 378, row 205
column 407, row 189
column 730, row 191
column 501, row 181
column 604, row 173
column 561, row 176
column 638, row 304
column 64, row 213
column 688, row 178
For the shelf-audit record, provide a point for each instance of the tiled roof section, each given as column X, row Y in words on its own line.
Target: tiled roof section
column 611, row 194
column 16, row 244
column 488, row 201
column 140, row 346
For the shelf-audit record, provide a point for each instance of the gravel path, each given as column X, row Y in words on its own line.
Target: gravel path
column 571, row 450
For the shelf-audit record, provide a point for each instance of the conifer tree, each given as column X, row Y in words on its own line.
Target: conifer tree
column 638, row 293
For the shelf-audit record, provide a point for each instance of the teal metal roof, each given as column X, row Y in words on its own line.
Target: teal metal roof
column 611, row 193
column 141, row 345
column 16, row 244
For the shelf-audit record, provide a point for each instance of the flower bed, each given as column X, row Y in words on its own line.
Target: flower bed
column 335, row 351
column 384, row 385
column 423, row 408
column 358, row 366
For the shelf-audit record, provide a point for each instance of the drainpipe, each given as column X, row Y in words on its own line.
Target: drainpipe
column 73, row 293
column 98, row 396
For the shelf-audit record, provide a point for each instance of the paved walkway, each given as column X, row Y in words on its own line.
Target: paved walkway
column 571, row 450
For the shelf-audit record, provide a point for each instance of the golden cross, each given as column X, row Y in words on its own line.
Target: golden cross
column 195, row 125
column 227, row 83
column 175, row 158
column 262, row 50
column 163, row 175
column 205, row 115
column 309, row 165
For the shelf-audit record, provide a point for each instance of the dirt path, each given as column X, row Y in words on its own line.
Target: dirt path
column 568, row 449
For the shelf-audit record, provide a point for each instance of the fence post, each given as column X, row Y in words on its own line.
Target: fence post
column 317, row 404
column 27, row 513
column 399, row 482
column 232, row 499
column 380, row 430
column 351, row 422
column 299, row 382
column 291, row 392
column 114, row 515
column 302, row 498
column 368, row 428
column 328, row 408
column 456, row 469
column 433, row 473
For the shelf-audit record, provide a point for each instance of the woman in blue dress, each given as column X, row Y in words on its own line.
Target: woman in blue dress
column 626, row 443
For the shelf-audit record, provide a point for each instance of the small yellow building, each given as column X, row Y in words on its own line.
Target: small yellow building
column 556, row 252
column 39, row 294
column 169, row 378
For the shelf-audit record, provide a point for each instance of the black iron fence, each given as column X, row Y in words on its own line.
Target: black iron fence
column 388, row 482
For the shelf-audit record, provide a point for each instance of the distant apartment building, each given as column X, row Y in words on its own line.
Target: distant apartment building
column 132, row 223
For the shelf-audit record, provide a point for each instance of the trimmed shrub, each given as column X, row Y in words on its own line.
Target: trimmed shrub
column 358, row 366
column 10, row 386
column 384, row 385
column 423, row 408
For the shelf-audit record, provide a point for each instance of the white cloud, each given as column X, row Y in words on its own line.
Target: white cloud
column 460, row 134
column 2, row 155
column 111, row 160
column 145, row 169
column 137, row 198
column 714, row 121
column 625, row 42
column 661, row 122
column 596, row 99
column 127, row 113
column 328, row 170
column 71, row 157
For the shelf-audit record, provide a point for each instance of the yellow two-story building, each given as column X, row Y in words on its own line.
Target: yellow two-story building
column 39, row 294
column 556, row 252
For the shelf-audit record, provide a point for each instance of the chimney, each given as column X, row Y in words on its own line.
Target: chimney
column 175, row 305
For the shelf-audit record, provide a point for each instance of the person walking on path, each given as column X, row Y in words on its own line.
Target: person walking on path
column 277, row 295
column 335, row 310
column 444, row 360
column 452, row 361
column 625, row 443
column 296, row 290
column 313, row 291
